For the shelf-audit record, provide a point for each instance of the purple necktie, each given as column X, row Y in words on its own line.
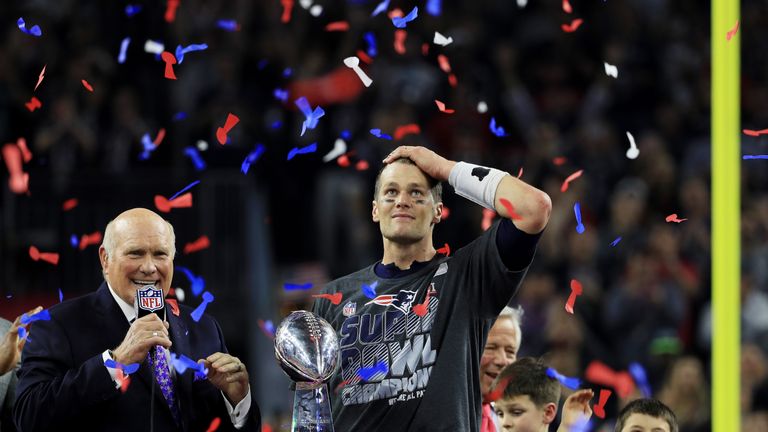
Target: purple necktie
column 163, row 377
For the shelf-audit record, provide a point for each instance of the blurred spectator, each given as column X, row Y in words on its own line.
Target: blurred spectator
column 685, row 391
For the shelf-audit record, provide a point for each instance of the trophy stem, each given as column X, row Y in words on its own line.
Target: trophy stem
column 311, row 409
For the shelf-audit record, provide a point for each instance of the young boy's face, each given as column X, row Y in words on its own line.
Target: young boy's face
column 637, row 422
column 520, row 414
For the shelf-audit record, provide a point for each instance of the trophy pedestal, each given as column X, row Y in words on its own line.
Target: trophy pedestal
column 311, row 408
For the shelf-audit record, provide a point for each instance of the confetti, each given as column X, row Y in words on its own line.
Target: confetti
column 510, row 209
column 381, row 7
column 399, row 44
column 89, row 239
column 214, row 425
column 49, row 257
column 615, row 242
column 434, row 7
column 148, row 145
column 189, row 186
column 408, row 129
column 303, row 150
column 281, row 94
column 731, row 33
column 33, row 104
column 755, row 133
column 61, row 296
column 370, row 290
column 26, row 155
column 452, row 80
column 611, row 70
column 333, row 298
column 577, row 210
column 421, row 309
column 498, row 390
column 174, row 305
column 354, row 64
column 23, row 333
column 488, row 216
column 748, row 157
column 370, row 40
column 200, row 310
column 497, row 130
column 43, row 315
column 201, row 243
column 402, row 22
column 228, row 25
column 442, row 108
column 567, row 7
column 182, row 363
column 153, row 47
column 165, row 205
column 445, row 65
column 34, row 31
column 297, row 287
column 362, row 165
column 181, row 51
column 673, row 218
column 170, row 12
column 316, row 10
column 40, row 78
column 442, row 40
column 251, row 158
column 576, row 291
column 312, row 116
column 169, row 60
column 599, row 373
column 572, row 177
column 197, row 283
column 127, row 369
column 343, row 161
column 123, row 380
column 482, row 107
column 267, row 327
column 445, row 250
column 377, row 133
column 194, row 155
column 570, row 28
column 131, row 10
column 87, row 86
column 560, row 160
column 571, row 383
column 445, row 214
column 287, row 9
column 637, row 371
column 222, row 132
column 379, row 370
column 632, row 152
column 599, row 407
column 123, row 50
column 339, row 148
column 337, row 26
column 18, row 180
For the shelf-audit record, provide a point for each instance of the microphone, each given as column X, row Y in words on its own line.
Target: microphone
column 150, row 299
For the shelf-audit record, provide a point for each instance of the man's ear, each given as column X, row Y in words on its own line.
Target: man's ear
column 550, row 411
column 438, row 213
column 375, row 212
column 104, row 259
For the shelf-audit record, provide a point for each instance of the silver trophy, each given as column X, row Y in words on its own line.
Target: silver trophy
column 307, row 348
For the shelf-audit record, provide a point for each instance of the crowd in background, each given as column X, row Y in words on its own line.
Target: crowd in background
column 646, row 282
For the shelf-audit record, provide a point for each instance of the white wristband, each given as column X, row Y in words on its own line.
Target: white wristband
column 476, row 183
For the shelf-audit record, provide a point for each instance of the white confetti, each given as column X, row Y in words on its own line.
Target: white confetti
column 632, row 152
column 153, row 47
column 339, row 148
column 354, row 64
column 521, row 3
column 482, row 107
column 202, row 145
column 611, row 70
column 442, row 40
column 316, row 10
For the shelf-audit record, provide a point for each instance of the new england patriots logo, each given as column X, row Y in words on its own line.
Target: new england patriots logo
column 402, row 301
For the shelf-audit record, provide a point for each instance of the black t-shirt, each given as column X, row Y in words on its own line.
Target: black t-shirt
column 427, row 351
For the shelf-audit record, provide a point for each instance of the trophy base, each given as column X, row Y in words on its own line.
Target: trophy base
column 311, row 409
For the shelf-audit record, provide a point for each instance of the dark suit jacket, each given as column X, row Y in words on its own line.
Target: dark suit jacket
column 63, row 384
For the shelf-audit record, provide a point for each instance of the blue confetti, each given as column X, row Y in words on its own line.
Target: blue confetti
column 434, row 7
column 200, row 310
column 402, row 22
column 287, row 72
column 577, row 210
column 370, row 290
column 497, row 130
column 281, row 94
column 181, row 115
column 370, row 39
column 277, row 125
column 379, row 370
column 571, row 383
column 252, row 158
column 582, row 425
column 346, row 135
column 312, row 115
column 34, row 31
column 149, row 147
column 181, row 51
column 269, row 326
column 123, row 49
column 228, row 25
column 193, row 154
column 381, row 7
column 615, row 242
column 181, row 363
column 641, row 378
column 61, row 296
column 43, row 315
column 304, row 150
column 197, row 282
column 127, row 369
column 747, row 157
column 74, row 241
column 23, row 333
column 377, row 133
column 262, row 64
column 131, row 10
column 189, row 186
column 295, row 287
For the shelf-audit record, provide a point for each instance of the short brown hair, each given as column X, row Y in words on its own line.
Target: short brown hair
column 528, row 377
column 435, row 187
column 649, row 407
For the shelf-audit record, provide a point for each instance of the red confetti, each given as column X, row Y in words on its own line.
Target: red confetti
column 425, row 49
column 445, row 65
column 497, row 391
column 520, row 173
column 18, row 180
column 361, row 165
column 421, row 309
column 214, row 425
column 576, row 291
column 169, row 60
column 673, row 218
column 337, row 26
column 570, row 28
column 572, row 177
column 33, row 104
column 123, row 379
column 511, row 210
column 49, row 257
column 599, row 373
column 343, row 161
column 26, row 155
column 732, row 32
column 287, row 9
column 395, row 13
column 335, row 298
column 442, row 108
column 452, row 80
column 221, row 133
column 599, row 407
column 364, row 57
column 87, row 86
column 165, row 206
column 69, row 204
column 560, row 160
column 755, row 132
column 174, row 304
column 488, row 216
column 202, row 243
column 567, row 7
column 159, row 137
column 40, row 78
column 400, row 36
column 170, row 11
column 90, row 239
column 446, row 212
column 408, row 129
column 445, row 250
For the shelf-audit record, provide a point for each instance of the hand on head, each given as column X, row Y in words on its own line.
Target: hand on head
column 428, row 161
column 145, row 333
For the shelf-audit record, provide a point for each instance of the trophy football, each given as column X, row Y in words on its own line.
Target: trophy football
column 307, row 348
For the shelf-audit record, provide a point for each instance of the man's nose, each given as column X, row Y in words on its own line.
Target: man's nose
column 148, row 265
column 403, row 200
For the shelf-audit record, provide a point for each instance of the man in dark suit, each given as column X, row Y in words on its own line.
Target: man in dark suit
column 64, row 383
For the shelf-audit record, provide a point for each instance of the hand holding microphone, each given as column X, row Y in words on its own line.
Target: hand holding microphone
column 147, row 331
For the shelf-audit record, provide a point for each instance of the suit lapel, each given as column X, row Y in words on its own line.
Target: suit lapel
column 180, row 339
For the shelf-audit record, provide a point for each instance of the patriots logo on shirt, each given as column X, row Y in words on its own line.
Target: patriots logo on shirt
column 402, row 301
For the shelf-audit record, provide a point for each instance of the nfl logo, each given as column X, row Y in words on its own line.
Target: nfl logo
column 349, row 309
column 150, row 298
